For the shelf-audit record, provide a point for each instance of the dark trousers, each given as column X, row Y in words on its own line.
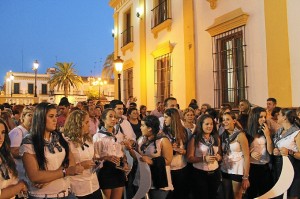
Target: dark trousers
column 180, row 184
column 260, row 179
column 206, row 184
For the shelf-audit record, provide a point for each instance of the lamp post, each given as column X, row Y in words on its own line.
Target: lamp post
column 35, row 68
column 11, row 79
column 119, row 66
column 100, row 83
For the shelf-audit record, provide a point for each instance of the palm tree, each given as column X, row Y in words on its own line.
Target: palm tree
column 65, row 77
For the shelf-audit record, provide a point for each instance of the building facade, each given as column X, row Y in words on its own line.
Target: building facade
column 21, row 89
column 215, row 51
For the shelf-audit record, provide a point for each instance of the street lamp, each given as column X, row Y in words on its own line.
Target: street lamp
column 35, row 68
column 119, row 66
column 100, row 83
column 11, row 79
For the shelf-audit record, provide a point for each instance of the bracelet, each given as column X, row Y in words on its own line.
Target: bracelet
column 64, row 172
column 245, row 177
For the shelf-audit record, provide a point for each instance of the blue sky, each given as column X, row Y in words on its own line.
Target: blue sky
column 77, row 31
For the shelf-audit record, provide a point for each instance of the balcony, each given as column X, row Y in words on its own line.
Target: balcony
column 127, row 40
column 161, row 17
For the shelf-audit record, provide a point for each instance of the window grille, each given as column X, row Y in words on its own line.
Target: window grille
column 163, row 77
column 128, row 84
column 229, row 67
column 127, row 36
column 30, row 88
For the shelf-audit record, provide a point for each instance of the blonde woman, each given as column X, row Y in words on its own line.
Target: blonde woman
column 76, row 129
column 17, row 134
column 189, row 118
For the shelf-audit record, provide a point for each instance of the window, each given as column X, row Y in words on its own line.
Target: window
column 161, row 12
column 44, row 89
column 30, row 88
column 16, row 88
column 230, row 82
column 163, row 78
column 127, row 34
column 128, row 83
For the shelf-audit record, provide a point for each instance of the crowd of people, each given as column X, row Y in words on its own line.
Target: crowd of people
column 89, row 151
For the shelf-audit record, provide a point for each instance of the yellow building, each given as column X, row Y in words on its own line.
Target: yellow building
column 216, row 51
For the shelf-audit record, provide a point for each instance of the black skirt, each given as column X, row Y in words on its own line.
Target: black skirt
column 109, row 177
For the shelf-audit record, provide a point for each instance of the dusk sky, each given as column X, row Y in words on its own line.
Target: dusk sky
column 77, row 31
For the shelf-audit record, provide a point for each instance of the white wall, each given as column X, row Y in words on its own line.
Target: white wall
column 294, row 44
column 256, row 48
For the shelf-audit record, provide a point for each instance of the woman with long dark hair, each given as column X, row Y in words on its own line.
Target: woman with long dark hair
column 46, row 156
column 287, row 143
column 236, row 158
column 204, row 152
column 76, row 129
column 156, row 150
column 261, row 147
column 9, row 184
column 178, row 136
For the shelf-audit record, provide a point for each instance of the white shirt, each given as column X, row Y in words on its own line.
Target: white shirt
column 16, row 136
column 54, row 161
column 87, row 182
column 202, row 150
column 128, row 132
column 259, row 145
column 106, row 146
column 233, row 162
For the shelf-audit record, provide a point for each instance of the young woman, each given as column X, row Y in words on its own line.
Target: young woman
column 156, row 151
column 46, row 156
column 76, row 129
column 179, row 137
column 143, row 112
column 9, row 184
column 110, row 150
column 204, row 152
column 261, row 147
column 133, row 119
column 189, row 119
column 287, row 143
column 17, row 134
column 236, row 158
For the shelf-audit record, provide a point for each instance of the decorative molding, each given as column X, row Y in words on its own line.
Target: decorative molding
column 163, row 49
column 128, row 64
column 127, row 47
column 213, row 4
column 229, row 21
column 116, row 4
column 167, row 24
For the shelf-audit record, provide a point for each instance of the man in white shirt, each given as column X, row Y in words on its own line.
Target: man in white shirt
column 122, row 127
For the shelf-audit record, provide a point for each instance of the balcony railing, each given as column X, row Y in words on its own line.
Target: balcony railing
column 127, row 36
column 161, row 13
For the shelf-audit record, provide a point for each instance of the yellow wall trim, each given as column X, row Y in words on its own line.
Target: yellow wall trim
column 127, row 47
column 213, row 4
column 162, row 49
column 116, row 4
column 128, row 64
column 229, row 21
column 278, row 53
column 189, row 51
column 164, row 25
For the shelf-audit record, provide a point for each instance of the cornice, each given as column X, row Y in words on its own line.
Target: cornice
column 127, row 47
column 229, row 21
column 128, row 64
column 163, row 49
